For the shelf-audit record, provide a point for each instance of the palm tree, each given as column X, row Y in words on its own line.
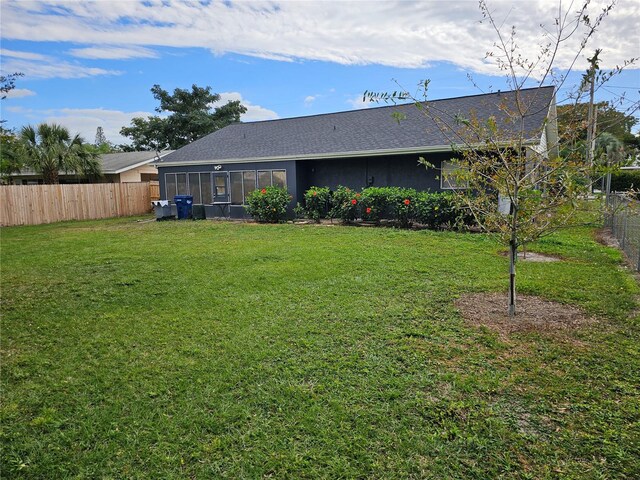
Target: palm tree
column 50, row 148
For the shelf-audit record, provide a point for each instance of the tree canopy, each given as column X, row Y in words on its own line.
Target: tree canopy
column 191, row 115
column 572, row 124
column 50, row 148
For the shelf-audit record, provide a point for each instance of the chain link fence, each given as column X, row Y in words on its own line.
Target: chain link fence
column 623, row 218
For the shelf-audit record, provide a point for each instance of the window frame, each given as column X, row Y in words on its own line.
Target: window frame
column 442, row 179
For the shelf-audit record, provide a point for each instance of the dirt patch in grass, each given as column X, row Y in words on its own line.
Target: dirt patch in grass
column 605, row 237
column 533, row 314
column 534, row 257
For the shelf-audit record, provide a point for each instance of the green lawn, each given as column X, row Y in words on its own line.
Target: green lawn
column 225, row 350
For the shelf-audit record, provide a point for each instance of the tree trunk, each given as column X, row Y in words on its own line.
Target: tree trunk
column 50, row 177
column 513, row 255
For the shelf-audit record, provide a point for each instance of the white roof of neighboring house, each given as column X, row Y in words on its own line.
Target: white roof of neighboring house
column 124, row 161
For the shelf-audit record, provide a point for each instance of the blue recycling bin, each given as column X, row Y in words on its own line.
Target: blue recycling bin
column 184, row 204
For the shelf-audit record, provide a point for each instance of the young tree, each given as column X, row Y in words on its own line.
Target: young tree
column 50, row 148
column 190, row 116
column 518, row 187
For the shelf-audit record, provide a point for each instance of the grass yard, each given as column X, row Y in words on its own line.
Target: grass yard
column 226, row 350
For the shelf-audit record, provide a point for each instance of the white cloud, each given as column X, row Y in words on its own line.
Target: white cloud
column 19, row 93
column 53, row 68
column 309, row 99
column 23, row 55
column 358, row 103
column 254, row 112
column 393, row 33
column 85, row 121
column 113, row 53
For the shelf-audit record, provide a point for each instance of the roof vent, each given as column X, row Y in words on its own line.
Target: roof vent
column 334, row 127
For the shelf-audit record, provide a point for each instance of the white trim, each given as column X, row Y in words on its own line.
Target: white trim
column 320, row 156
column 139, row 164
column 130, row 167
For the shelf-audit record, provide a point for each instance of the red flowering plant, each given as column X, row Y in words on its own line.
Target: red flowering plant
column 268, row 204
column 345, row 204
column 375, row 203
column 316, row 203
column 401, row 201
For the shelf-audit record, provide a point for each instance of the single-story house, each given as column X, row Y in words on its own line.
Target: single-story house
column 369, row 147
column 120, row 167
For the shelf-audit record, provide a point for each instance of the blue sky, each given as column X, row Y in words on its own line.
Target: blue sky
column 90, row 64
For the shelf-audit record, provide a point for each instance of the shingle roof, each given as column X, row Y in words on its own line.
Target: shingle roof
column 115, row 162
column 367, row 130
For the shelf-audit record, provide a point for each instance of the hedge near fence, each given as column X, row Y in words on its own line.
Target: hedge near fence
column 625, row 180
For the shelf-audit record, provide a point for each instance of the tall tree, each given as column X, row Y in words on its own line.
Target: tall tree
column 519, row 191
column 100, row 137
column 50, row 149
column 190, row 116
column 10, row 159
column 572, row 125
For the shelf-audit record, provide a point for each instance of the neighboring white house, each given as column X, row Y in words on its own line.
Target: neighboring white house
column 122, row 167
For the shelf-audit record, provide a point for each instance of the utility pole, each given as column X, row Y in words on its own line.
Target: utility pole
column 592, row 113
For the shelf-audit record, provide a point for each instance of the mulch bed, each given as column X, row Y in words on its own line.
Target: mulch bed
column 533, row 314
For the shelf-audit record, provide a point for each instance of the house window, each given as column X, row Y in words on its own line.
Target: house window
column 242, row 184
column 279, row 178
column 194, row 187
column 181, row 182
column 448, row 180
column 205, row 188
column 269, row 178
column 264, row 178
column 170, row 185
column 221, row 186
column 197, row 184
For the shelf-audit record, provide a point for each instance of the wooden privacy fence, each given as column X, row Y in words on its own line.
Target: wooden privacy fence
column 154, row 190
column 36, row 204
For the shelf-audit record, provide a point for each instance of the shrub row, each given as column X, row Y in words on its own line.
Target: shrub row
column 403, row 206
column 625, row 180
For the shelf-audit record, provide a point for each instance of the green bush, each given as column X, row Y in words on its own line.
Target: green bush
column 439, row 210
column 625, row 180
column 345, row 204
column 375, row 203
column 402, row 205
column 316, row 203
column 268, row 204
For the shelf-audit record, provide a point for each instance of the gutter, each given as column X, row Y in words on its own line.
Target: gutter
column 323, row 156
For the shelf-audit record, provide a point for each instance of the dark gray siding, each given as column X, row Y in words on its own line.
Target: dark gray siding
column 383, row 171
